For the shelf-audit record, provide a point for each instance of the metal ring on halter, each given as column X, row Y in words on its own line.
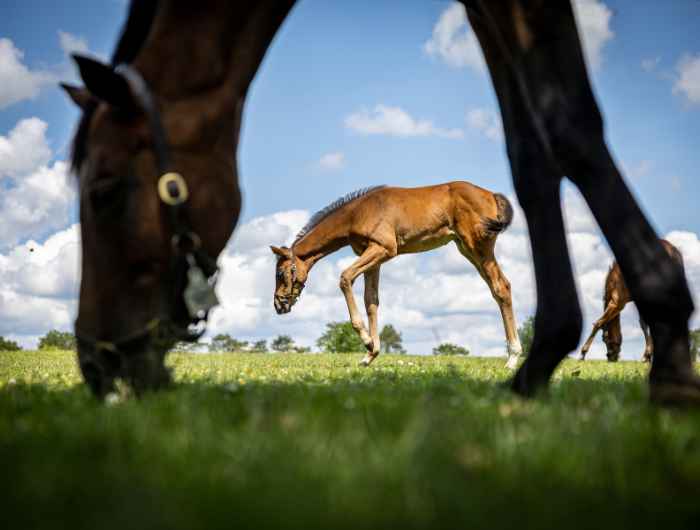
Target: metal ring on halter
column 172, row 189
column 186, row 242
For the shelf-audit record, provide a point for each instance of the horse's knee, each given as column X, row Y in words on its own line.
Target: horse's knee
column 345, row 282
column 561, row 333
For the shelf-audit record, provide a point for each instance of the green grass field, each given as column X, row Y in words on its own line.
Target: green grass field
column 313, row 441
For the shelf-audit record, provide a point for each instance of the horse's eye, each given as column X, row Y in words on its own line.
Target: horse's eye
column 280, row 275
column 107, row 194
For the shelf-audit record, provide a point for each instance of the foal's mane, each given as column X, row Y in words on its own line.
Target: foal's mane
column 332, row 207
column 136, row 29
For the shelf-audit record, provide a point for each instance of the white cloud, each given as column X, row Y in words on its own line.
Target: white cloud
column 593, row 18
column 688, row 80
column 487, row 122
column 72, row 43
column 24, row 148
column 394, row 121
column 17, row 81
column 39, row 286
column 37, row 196
column 455, row 43
column 331, row 161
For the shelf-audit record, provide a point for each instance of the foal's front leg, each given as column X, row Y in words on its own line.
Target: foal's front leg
column 373, row 256
column 372, row 306
column 611, row 311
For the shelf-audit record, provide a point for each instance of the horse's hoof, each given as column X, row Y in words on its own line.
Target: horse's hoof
column 675, row 393
column 366, row 361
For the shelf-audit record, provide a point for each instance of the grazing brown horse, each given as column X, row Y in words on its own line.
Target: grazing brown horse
column 382, row 222
column 616, row 296
column 198, row 79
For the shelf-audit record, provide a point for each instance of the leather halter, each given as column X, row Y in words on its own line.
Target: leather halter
column 201, row 269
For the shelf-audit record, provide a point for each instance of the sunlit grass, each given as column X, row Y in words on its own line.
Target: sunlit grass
column 316, row 441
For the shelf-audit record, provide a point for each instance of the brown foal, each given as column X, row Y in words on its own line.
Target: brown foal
column 615, row 298
column 382, row 222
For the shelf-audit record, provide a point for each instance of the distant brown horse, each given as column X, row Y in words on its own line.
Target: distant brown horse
column 616, row 296
column 196, row 60
column 382, row 222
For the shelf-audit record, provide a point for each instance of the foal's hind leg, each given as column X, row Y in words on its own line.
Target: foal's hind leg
column 485, row 262
column 372, row 306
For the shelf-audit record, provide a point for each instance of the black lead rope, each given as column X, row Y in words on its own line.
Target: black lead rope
column 189, row 258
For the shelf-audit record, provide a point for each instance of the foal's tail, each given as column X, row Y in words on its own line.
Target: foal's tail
column 504, row 216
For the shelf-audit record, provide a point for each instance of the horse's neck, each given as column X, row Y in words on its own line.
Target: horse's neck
column 208, row 51
column 323, row 239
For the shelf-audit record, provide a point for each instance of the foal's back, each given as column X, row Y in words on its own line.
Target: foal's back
column 423, row 218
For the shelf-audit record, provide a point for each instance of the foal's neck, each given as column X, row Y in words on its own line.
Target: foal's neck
column 319, row 242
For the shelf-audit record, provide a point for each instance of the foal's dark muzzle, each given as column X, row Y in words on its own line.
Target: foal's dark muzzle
column 283, row 305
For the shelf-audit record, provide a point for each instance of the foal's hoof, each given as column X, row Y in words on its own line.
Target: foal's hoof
column 681, row 393
column 512, row 362
column 366, row 360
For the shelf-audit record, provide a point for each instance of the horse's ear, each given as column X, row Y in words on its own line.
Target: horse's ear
column 79, row 95
column 103, row 83
column 283, row 252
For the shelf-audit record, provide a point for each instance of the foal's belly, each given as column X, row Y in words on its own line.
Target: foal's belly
column 411, row 243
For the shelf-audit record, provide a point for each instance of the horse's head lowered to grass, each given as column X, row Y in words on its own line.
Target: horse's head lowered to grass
column 155, row 155
column 290, row 278
column 155, row 213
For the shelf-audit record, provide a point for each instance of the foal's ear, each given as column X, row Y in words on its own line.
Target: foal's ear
column 283, row 252
column 79, row 95
column 103, row 83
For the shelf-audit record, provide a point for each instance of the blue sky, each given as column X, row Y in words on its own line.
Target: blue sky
column 359, row 93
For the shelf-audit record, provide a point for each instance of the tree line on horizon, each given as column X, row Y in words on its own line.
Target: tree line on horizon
column 338, row 337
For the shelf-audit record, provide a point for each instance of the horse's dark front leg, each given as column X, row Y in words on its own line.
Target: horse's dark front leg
column 558, row 321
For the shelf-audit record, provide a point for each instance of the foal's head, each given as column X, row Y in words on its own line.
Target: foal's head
column 290, row 278
column 144, row 236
